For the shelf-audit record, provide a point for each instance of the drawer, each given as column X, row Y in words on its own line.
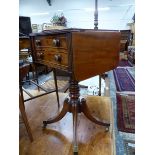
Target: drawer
column 59, row 58
column 24, row 43
column 51, row 41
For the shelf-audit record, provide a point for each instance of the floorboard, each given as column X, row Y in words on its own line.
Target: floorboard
column 57, row 138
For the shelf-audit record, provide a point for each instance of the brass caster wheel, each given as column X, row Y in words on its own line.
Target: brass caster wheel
column 75, row 150
column 106, row 129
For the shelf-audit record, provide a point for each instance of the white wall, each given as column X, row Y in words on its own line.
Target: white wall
column 79, row 13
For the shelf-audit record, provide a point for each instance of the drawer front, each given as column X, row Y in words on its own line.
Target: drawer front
column 24, row 43
column 59, row 58
column 51, row 41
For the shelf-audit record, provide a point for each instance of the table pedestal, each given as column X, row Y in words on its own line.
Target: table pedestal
column 75, row 106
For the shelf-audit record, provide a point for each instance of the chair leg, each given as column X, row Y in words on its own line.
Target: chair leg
column 24, row 116
column 36, row 75
column 28, row 77
column 56, row 86
column 99, row 93
column 21, row 94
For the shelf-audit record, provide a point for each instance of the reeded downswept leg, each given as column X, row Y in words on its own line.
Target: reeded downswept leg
column 75, row 106
column 85, row 110
column 75, row 117
column 63, row 112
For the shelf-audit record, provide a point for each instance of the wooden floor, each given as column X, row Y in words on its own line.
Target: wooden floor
column 57, row 138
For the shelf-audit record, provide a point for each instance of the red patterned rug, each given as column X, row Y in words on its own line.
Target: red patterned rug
column 126, row 112
column 123, row 80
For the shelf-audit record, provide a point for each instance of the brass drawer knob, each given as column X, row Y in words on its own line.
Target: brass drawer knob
column 57, row 58
column 56, row 42
column 38, row 43
column 40, row 55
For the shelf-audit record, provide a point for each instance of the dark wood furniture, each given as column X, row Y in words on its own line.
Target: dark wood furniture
column 26, row 67
column 24, row 117
column 125, row 40
column 25, row 52
column 24, row 42
column 23, row 71
column 131, row 54
column 81, row 53
column 24, row 47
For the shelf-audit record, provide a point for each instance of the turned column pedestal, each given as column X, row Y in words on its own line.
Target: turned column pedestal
column 74, row 105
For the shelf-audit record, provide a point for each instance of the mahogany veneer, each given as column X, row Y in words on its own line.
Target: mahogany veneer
column 83, row 54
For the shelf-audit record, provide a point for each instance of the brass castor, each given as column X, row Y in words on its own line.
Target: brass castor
column 75, row 150
column 107, row 129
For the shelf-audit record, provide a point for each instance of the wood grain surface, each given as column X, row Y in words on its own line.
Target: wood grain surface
column 57, row 138
column 94, row 53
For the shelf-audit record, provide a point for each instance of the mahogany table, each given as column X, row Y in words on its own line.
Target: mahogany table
column 83, row 53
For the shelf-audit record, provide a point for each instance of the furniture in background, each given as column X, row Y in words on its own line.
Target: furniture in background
column 132, row 38
column 34, row 28
column 25, row 67
column 24, row 117
column 81, row 53
column 24, row 48
column 131, row 54
column 23, row 71
column 24, row 26
column 127, row 52
column 123, row 45
column 30, row 66
column 125, row 40
column 26, row 57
